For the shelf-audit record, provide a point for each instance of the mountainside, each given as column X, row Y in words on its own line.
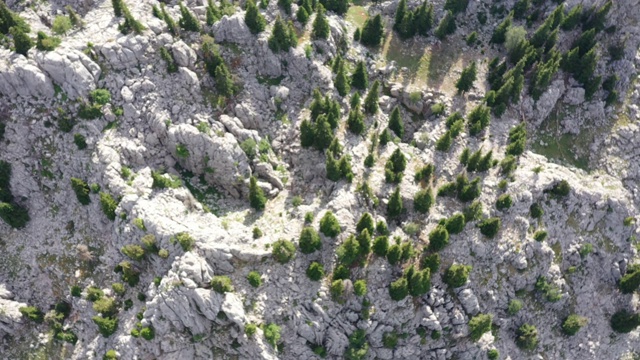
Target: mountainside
column 323, row 179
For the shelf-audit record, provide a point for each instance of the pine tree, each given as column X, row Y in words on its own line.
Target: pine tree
column 332, row 167
column 256, row 195
column 323, row 133
column 406, row 29
column 188, row 21
column 395, row 122
column 9, row 19
column 254, row 19
column 456, row 6
column 345, row 168
column 423, row 200
column 401, row 11
column 356, row 34
column 285, row 5
column 355, row 100
column 447, row 26
column 214, row 14
column 394, row 207
column 320, row 24
column 117, row 7
column 307, row 134
column 355, row 121
column 371, row 101
column 283, row 36
column 500, row 33
column 21, row 41
column 342, row 83
column 372, row 31
column 468, row 76
column 302, row 15
column 360, row 78
column 171, row 24
column 423, row 19
column 224, row 82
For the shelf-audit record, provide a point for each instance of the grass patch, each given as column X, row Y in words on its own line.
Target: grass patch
column 357, row 15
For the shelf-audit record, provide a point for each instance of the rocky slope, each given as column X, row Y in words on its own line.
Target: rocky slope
column 176, row 159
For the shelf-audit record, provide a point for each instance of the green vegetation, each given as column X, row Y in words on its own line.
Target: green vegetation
column 256, row 195
column 624, row 321
column 108, row 205
column 438, row 238
column 358, row 346
column 504, row 202
column 283, row 251
column 360, row 287
column 106, row 325
column 573, row 323
column 478, row 325
column 514, row 307
column 456, row 275
column 399, row 289
column 309, row 240
column 283, row 36
column 272, row 334
column 221, row 284
column 390, row 340
column 550, row 291
column 630, row 282
column 394, row 207
column 32, row 313
column 394, row 167
column 467, row 77
column 315, row 271
column 489, row 227
column 329, row 225
column 185, row 240
column 82, row 190
column 527, row 337
column 254, row 278
column 253, row 18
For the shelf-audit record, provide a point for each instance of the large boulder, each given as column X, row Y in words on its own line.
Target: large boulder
column 20, row 76
column 74, row 71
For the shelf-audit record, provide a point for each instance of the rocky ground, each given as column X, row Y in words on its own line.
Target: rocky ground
column 175, row 126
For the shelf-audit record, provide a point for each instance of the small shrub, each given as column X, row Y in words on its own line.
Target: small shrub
column 108, row 205
column 514, row 307
column 358, row 346
column 585, row 250
column 527, row 337
column 254, row 278
column 329, row 225
column 431, row 262
column 456, row 275
column 341, row 272
column 250, row 329
column 399, row 289
column 147, row 333
column 32, row 313
column 390, row 340
column 438, row 238
column 82, row 190
column 337, row 290
column 61, row 25
column 540, row 235
column 107, row 326
column 163, row 253
column 536, row 211
column 630, row 282
column 134, row 252
column 490, row 227
column 479, row 325
column 118, row 288
column 504, row 202
column 550, row 291
column 423, row 200
column 394, row 253
column 573, row 323
column 315, row 271
column 256, row 195
column 624, row 322
column 185, row 240
column 360, row 287
column 309, row 240
column 455, row 224
column 100, row 96
column 161, row 181
column 182, row 151
column 76, row 291
column 283, row 251
column 221, row 284
column 493, row 354
column 560, row 189
column 365, row 222
column 257, row 233
column 105, row 306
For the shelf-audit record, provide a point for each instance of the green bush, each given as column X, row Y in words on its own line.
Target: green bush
column 107, row 326
column 365, row 222
column 431, row 262
column 456, row 275
column 514, row 307
column 32, row 313
column 394, row 207
column 444, row 142
column 438, row 238
column 489, row 227
column 283, row 36
column 630, row 282
column 309, row 240
column 573, row 323
column 147, row 333
column 423, row 200
column 381, row 245
column 624, row 322
column 394, row 254
column 47, row 43
column 250, row 329
column 467, row 77
column 76, row 291
column 315, row 271
column 185, row 240
column 478, row 325
column 21, row 41
column 254, row 278
column 272, row 334
column 94, row 293
column 395, row 166
column 536, row 211
column 129, row 274
column 550, row 291
column 560, row 189
column 61, row 25
column 419, row 281
column 254, row 19
column 493, row 354
column 221, row 284
column 82, row 190
column 80, row 141
column 473, row 212
column 118, row 288
column 527, row 337
column 390, row 340
column 329, row 225
column 540, row 235
column 108, row 205
column 399, row 289
column 161, row 181
column 360, row 287
column 105, row 306
column 349, row 251
column 341, row 272
column 337, row 290
column 256, row 195
column 283, row 251
column 455, row 224
column 504, row 202
column 134, row 252
column 358, row 346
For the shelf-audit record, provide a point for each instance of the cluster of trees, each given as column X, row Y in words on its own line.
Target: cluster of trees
column 338, row 165
column 372, row 31
column 325, row 117
column 12, row 24
column 283, row 36
column 130, row 24
column 253, row 18
column 409, row 23
column 339, row 7
column 216, row 67
column 414, row 282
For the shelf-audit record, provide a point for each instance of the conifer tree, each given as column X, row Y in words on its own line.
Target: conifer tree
column 468, row 76
column 371, row 101
column 224, row 82
column 171, row 24
column 320, row 24
column 302, row 15
column 360, row 78
column 283, row 36
column 423, row 19
column 372, row 31
column 500, row 33
column 394, row 207
column 117, row 7
column 307, row 134
column 447, row 26
column 285, row 5
column 332, row 167
column 323, row 133
column 256, row 195
column 213, row 13
column 355, row 121
column 21, row 41
column 401, row 11
column 9, row 19
column 342, row 83
column 188, row 21
column 254, row 19
column 395, row 122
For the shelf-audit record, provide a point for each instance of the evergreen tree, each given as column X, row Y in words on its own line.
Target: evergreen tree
column 9, row 19
column 360, row 78
column 332, row 167
column 372, row 31
column 171, row 24
column 285, row 5
column 224, row 82
column 283, row 36
column 406, row 29
column 500, row 33
column 365, row 222
column 214, row 14
column 188, row 21
column 345, row 168
column 256, row 195
column 302, row 15
column 394, row 207
column 401, row 11
column 395, row 122
column 355, row 121
column 371, row 101
column 423, row 200
column 309, row 240
column 456, row 6
column 21, row 41
column 423, row 19
column 447, row 26
column 419, row 281
column 468, row 76
column 320, row 24
column 307, row 134
column 254, row 19
column 323, row 133
column 342, row 83
column 117, row 7
column 355, row 100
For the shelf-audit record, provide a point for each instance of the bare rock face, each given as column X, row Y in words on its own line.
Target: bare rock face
column 232, row 29
column 20, row 76
column 72, row 70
